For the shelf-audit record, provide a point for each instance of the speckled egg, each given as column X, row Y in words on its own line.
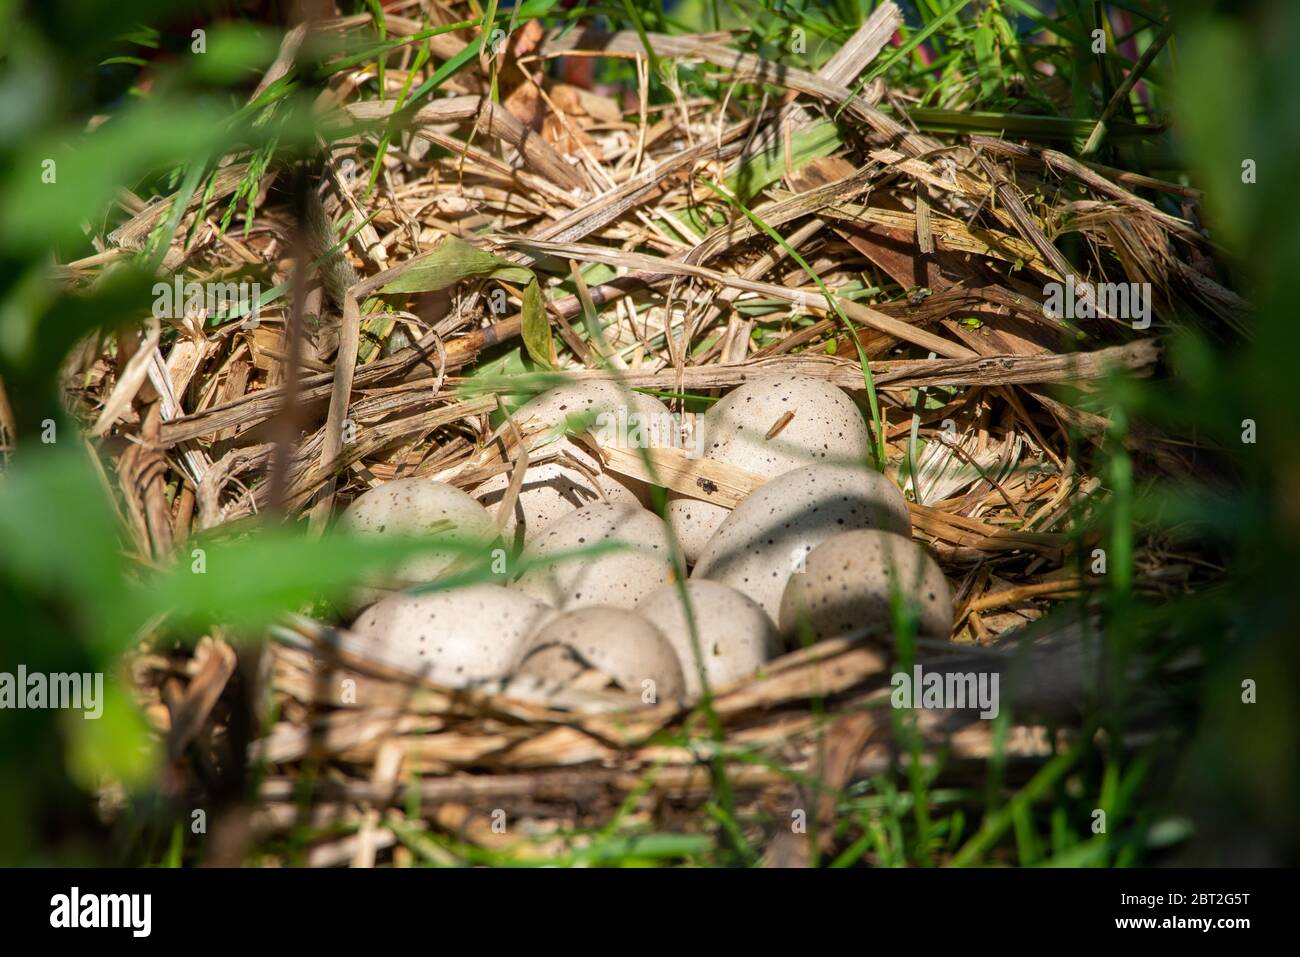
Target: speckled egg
column 550, row 490
column 614, row 414
column 593, row 404
column 618, row 578
column 767, row 536
column 735, row 635
column 614, row 641
column 414, row 507
column 847, row 583
column 812, row 421
column 459, row 637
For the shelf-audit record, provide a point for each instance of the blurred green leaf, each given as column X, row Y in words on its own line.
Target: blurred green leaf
column 38, row 327
column 1218, row 129
column 234, row 52
column 118, row 746
column 58, row 180
column 59, row 531
column 276, row 570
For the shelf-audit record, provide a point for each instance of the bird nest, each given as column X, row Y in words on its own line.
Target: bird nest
column 417, row 319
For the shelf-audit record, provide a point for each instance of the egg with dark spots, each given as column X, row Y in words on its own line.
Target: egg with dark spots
column 638, row 560
column 584, row 405
column 848, row 584
column 613, row 413
column 620, row 644
column 768, row 426
column 550, row 490
column 457, row 638
column 419, row 508
column 760, row 544
column 734, row 636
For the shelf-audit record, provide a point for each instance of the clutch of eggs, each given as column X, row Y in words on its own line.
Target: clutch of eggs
column 599, row 590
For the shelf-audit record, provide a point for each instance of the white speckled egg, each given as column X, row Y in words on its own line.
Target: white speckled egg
column 550, row 490
column 619, row 579
column 459, row 637
column 613, row 413
column 768, row 535
column 591, row 404
column 847, row 583
column 617, row 642
column 818, row 424
column 735, row 635
column 414, row 507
